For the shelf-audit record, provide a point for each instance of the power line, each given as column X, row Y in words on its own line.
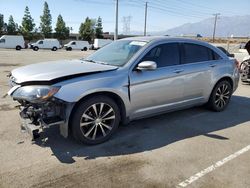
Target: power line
column 169, row 10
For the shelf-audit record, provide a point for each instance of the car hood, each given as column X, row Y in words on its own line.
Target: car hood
column 52, row 70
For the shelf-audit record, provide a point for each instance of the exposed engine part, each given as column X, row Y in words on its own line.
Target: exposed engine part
column 39, row 116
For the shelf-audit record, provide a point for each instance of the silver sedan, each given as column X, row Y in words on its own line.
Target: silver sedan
column 126, row 80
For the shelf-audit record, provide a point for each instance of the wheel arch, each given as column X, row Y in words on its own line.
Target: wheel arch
column 118, row 100
column 227, row 78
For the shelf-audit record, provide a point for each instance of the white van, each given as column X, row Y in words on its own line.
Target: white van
column 98, row 43
column 77, row 45
column 52, row 44
column 12, row 41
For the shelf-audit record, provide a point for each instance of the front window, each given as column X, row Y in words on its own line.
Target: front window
column 40, row 42
column 2, row 41
column 164, row 55
column 117, row 53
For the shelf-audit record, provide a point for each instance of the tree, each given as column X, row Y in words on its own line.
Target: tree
column 46, row 20
column 62, row 32
column 98, row 28
column 1, row 24
column 28, row 24
column 86, row 29
column 12, row 27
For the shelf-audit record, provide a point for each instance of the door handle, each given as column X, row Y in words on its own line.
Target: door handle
column 177, row 71
column 212, row 65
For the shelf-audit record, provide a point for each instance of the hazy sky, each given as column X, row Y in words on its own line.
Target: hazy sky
column 162, row 14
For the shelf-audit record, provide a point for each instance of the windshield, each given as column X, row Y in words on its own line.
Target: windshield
column 117, row 53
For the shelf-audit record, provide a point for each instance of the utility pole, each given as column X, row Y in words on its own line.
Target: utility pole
column 116, row 20
column 145, row 23
column 215, row 22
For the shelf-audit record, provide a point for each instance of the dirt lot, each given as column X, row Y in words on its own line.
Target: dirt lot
column 206, row 149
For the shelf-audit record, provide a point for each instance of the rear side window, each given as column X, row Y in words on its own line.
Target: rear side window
column 216, row 56
column 197, row 53
column 164, row 55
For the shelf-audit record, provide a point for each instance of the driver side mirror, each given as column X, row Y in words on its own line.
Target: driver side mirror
column 147, row 65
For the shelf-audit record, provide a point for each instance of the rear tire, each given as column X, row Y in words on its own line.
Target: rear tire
column 54, row 48
column 95, row 120
column 220, row 96
column 18, row 47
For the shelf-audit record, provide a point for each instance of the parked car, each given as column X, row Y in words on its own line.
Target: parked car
column 126, row 80
column 52, row 44
column 99, row 43
column 77, row 45
column 12, row 41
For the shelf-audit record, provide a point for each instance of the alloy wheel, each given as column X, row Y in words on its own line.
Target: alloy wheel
column 222, row 96
column 97, row 121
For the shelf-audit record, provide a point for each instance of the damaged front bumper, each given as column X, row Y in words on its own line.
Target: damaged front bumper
column 37, row 117
column 39, row 109
column 34, row 129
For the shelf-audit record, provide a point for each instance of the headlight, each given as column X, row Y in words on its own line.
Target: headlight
column 35, row 93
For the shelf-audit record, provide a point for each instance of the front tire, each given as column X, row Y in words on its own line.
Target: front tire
column 220, row 96
column 95, row 120
column 35, row 48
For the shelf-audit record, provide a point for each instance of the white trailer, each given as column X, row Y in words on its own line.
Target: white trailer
column 52, row 44
column 12, row 41
column 77, row 45
column 98, row 43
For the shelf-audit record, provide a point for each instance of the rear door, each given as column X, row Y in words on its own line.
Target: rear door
column 198, row 64
column 160, row 89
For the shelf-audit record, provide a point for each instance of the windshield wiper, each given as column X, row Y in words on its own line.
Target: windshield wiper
column 92, row 61
column 89, row 60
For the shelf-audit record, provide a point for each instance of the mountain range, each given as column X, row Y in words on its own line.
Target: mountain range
column 226, row 26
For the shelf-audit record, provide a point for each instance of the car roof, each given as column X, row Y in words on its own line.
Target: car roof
column 160, row 38
column 155, row 39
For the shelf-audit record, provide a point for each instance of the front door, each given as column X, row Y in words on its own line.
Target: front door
column 161, row 89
